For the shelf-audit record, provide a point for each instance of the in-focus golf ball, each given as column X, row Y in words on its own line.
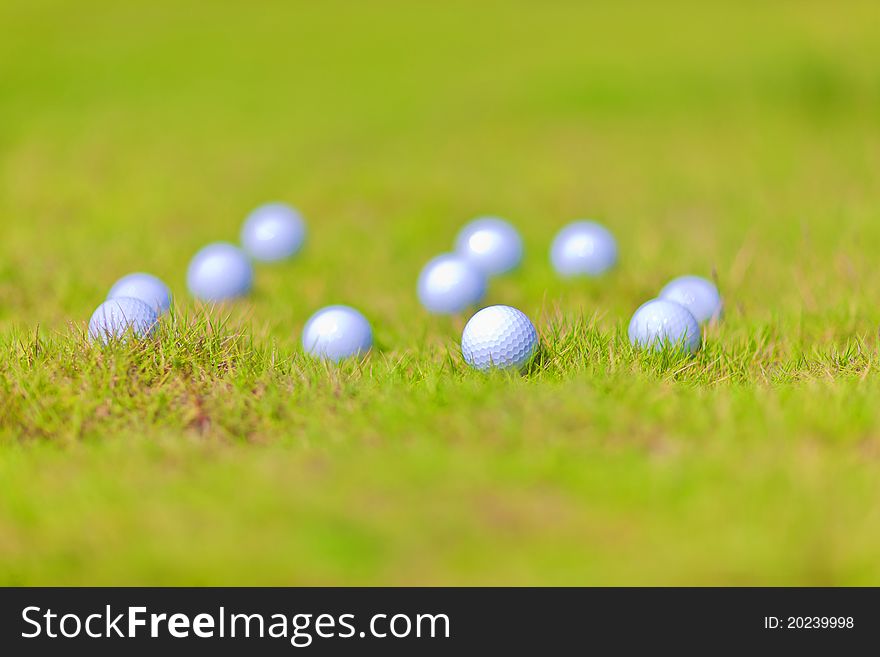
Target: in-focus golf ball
column 449, row 284
column 145, row 287
column 583, row 248
column 337, row 332
column 697, row 294
column 499, row 337
column 219, row 272
column 273, row 232
column 118, row 317
column 660, row 324
column 491, row 244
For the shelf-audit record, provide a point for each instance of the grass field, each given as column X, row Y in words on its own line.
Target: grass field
column 738, row 140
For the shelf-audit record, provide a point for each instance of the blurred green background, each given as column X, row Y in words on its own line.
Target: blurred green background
column 734, row 139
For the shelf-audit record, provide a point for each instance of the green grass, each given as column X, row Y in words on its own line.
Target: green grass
column 738, row 140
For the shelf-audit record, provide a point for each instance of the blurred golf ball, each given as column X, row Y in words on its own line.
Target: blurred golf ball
column 219, row 272
column 499, row 337
column 145, row 287
column 449, row 284
column 273, row 232
column 117, row 317
column 583, row 248
column 337, row 332
column 660, row 324
column 491, row 244
column 697, row 294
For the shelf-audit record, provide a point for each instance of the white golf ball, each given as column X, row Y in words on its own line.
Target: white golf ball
column 583, row 248
column 273, row 232
column 219, row 272
column 499, row 337
column 660, row 324
column 449, row 284
column 337, row 332
column 145, row 287
column 491, row 244
column 118, row 317
column 697, row 294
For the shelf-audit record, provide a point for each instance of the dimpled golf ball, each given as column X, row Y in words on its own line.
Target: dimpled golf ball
column 121, row 316
column 145, row 287
column 220, row 272
column 660, row 324
column 491, row 244
column 273, row 232
column 449, row 284
column 583, row 248
column 337, row 332
column 697, row 294
column 499, row 337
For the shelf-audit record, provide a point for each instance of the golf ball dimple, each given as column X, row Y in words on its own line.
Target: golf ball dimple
column 499, row 337
column 449, row 284
column 698, row 295
column 583, row 248
column 145, row 287
column 220, row 272
column 273, row 232
column 492, row 244
column 660, row 324
column 120, row 316
column 337, row 332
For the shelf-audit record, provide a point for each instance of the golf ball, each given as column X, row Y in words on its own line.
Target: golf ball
column 583, row 248
column 337, row 332
column 273, row 232
column 660, row 324
column 499, row 337
column 117, row 317
column 697, row 294
column 491, row 244
column 145, row 287
column 219, row 272
column 449, row 284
